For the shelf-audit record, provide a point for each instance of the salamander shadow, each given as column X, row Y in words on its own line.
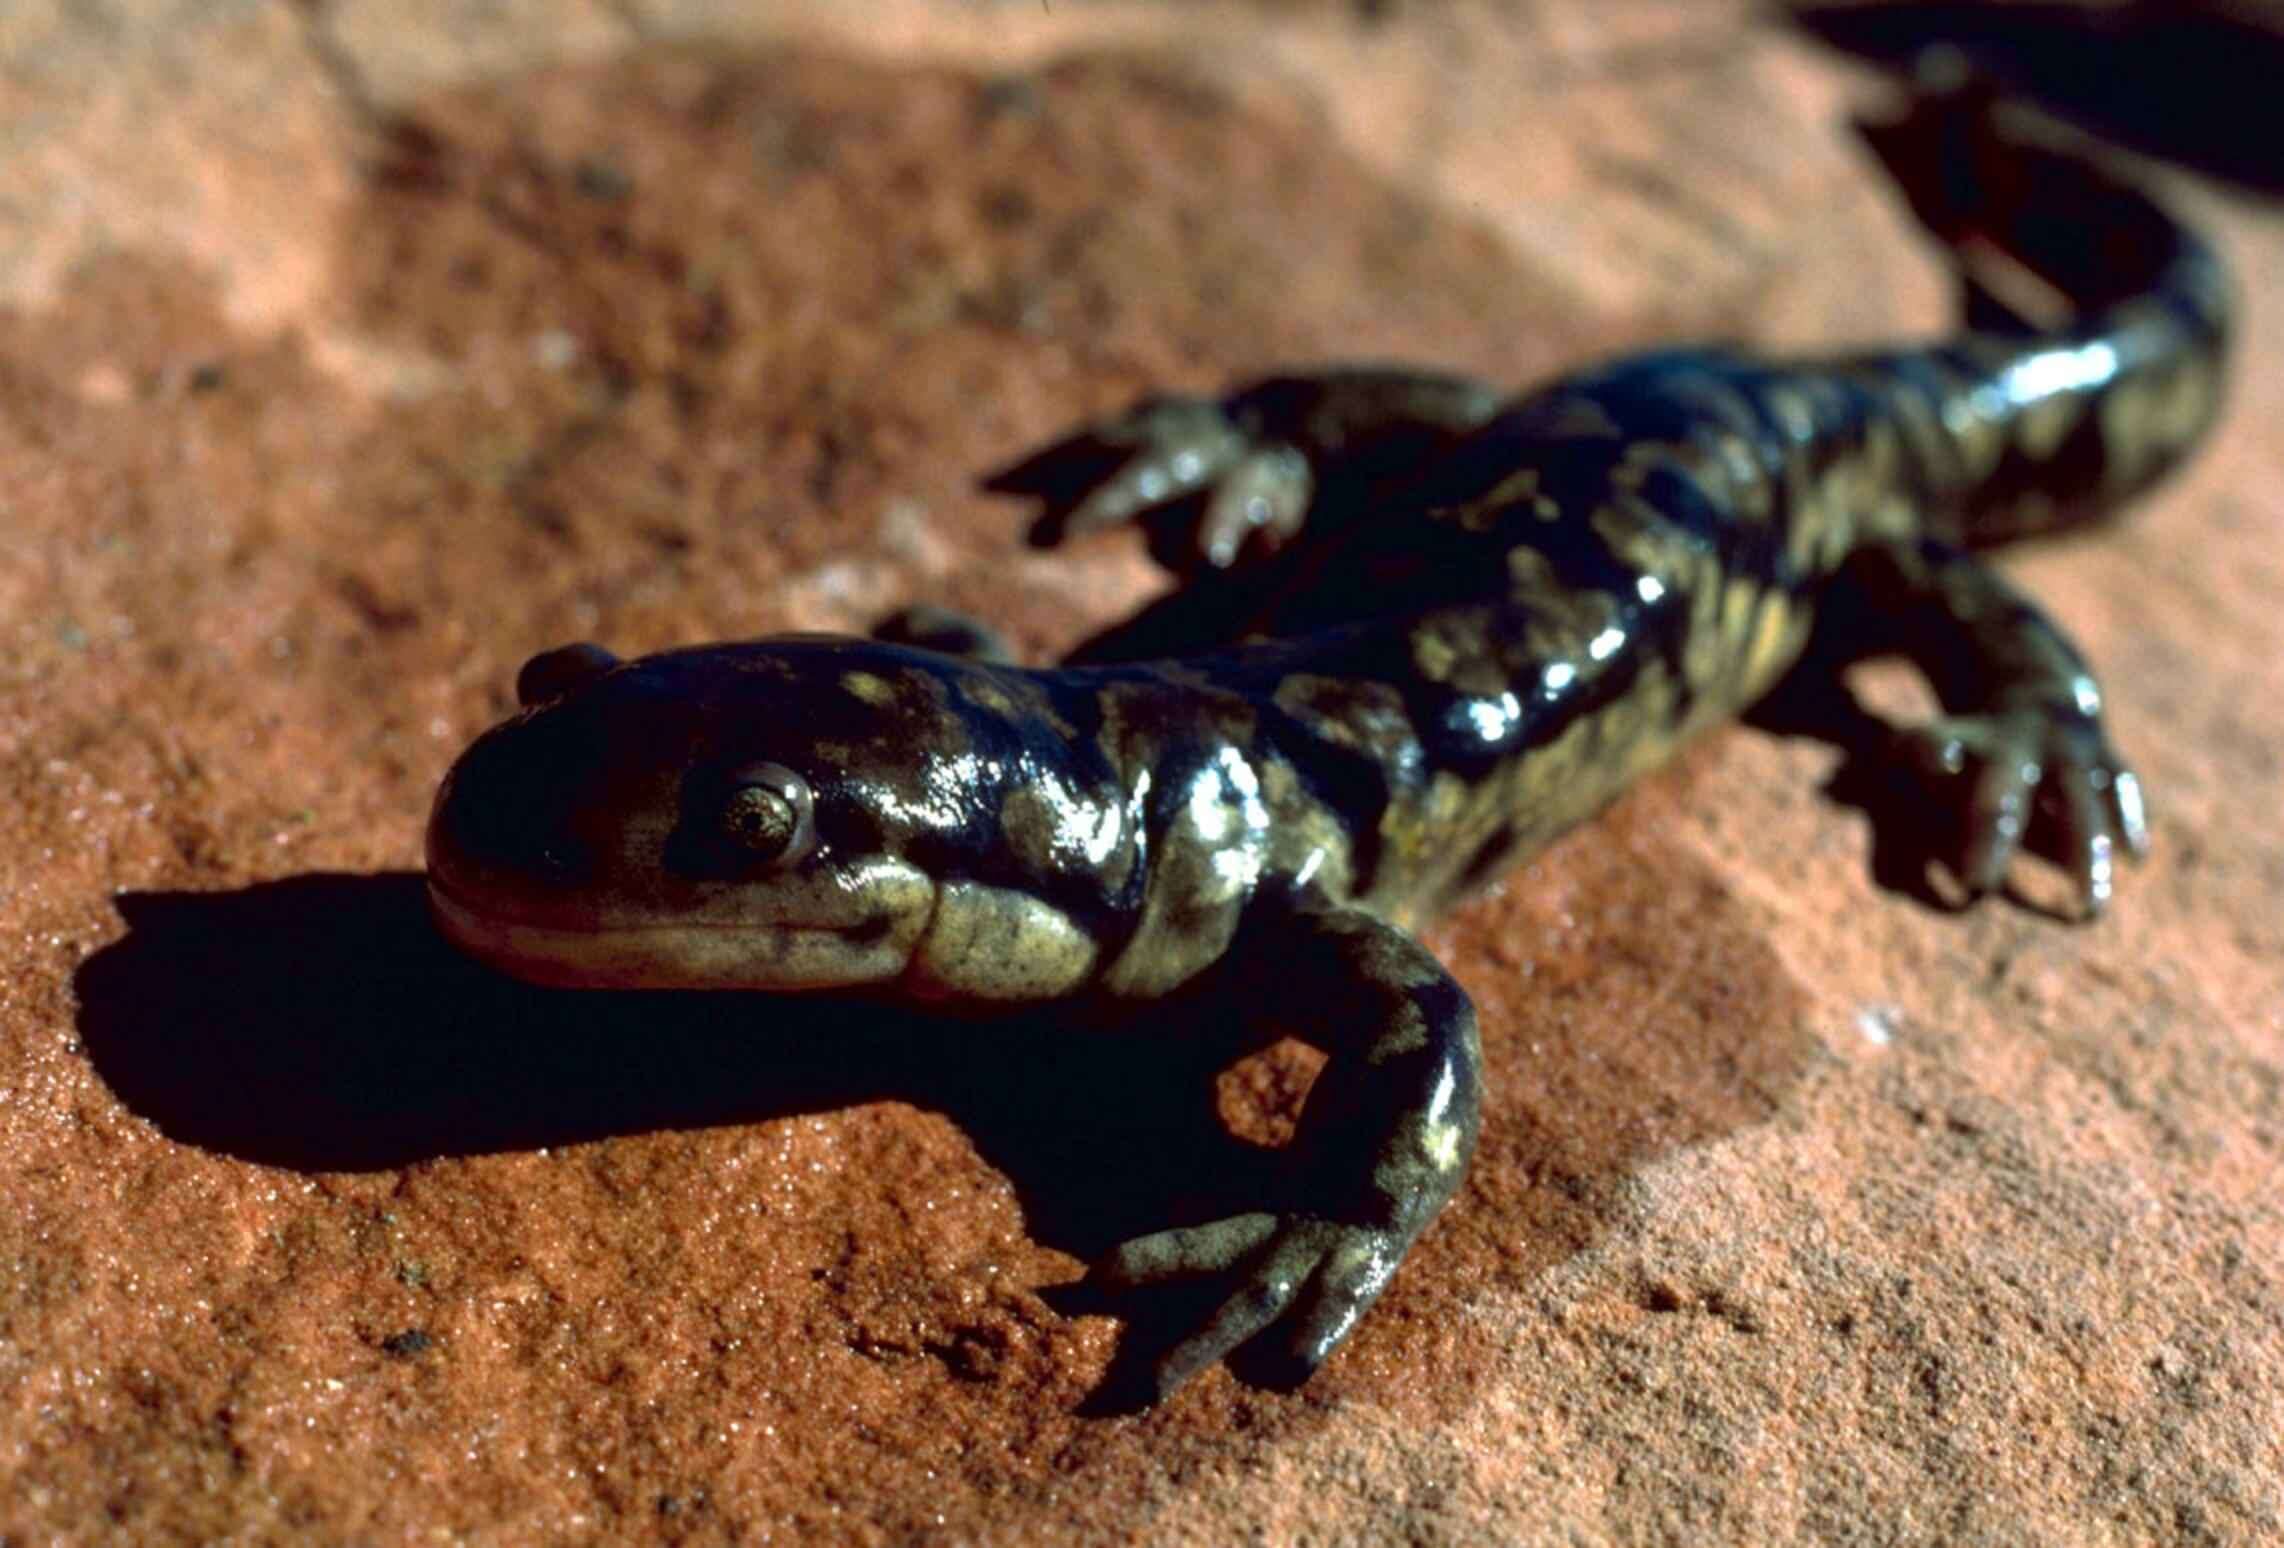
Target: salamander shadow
column 318, row 1023
column 2193, row 84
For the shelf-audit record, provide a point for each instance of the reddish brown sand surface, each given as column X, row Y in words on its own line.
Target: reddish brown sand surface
column 349, row 353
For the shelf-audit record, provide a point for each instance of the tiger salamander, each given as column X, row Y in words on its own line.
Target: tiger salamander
column 1427, row 626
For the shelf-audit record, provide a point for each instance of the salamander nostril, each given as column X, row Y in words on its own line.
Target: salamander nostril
column 560, row 861
column 553, row 673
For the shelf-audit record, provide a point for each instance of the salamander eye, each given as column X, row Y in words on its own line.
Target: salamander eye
column 769, row 813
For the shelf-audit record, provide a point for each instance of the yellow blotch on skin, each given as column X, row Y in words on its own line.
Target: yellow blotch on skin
column 1779, row 632
column 1433, row 655
column 869, row 687
column 2045, row 425
column 993, row 943
column 986, row 694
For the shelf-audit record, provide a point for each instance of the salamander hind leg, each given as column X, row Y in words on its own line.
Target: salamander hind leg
column 2021, row 736
column 1216, row 482
column 1381, row 1146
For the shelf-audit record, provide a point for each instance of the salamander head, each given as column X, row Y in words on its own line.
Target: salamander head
column 797, row 813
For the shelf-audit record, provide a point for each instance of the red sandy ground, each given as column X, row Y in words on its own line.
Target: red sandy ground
column 350, row 354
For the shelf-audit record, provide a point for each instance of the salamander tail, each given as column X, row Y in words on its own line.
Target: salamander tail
column 2098, row 324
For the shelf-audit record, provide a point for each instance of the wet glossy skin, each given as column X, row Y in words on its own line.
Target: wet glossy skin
column 1427, row 628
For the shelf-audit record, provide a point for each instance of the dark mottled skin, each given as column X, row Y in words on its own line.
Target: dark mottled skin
column 1428, row 627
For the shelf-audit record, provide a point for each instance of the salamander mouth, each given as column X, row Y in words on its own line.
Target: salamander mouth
column 697, row 953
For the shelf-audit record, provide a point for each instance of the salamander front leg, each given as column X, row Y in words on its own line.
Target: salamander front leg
column 2023, row 727
column 1217, row 481
column 1382, row 1144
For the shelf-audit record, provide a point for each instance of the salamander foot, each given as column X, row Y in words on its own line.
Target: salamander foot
column 1207, row 492
column 1312, row 1277
column 2046, row 760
